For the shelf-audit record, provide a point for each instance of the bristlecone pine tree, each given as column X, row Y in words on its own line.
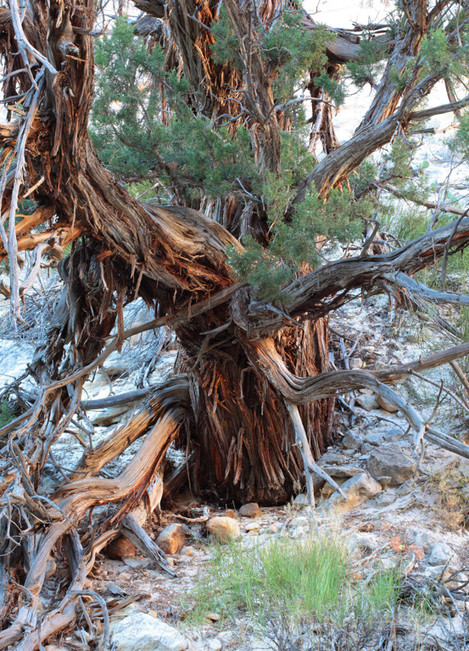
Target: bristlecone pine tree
column 204, row 104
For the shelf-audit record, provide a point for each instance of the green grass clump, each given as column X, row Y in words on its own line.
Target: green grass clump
column 296, row 586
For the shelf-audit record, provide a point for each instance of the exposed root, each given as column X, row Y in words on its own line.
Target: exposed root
column 70, row 504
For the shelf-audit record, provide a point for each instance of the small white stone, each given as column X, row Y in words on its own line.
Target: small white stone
column 215, row 645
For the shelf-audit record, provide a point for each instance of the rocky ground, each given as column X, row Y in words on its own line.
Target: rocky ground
column 394, row 513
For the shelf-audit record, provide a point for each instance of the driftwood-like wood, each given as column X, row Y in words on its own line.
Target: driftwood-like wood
column 139, row 537
column 74, row 500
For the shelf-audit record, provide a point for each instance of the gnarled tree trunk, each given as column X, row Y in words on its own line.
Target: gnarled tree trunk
column 248, row 365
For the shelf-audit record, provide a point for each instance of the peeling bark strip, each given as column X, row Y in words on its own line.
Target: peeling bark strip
column 255, row 379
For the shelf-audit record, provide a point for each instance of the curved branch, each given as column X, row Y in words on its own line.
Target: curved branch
column 173, row 392
column 299, row 390
column 76, row 498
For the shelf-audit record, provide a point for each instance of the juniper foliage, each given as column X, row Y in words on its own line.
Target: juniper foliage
column 147, row 128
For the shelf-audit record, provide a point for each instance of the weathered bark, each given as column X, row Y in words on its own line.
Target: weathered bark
column 247, row 363
column 242, row 434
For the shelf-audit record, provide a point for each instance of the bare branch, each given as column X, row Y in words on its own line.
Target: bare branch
column 310, row 465
column 419, row 289
column 298, row 390
column 426, row 204
column 15, row 308
column 24, row 45
column 452, row 107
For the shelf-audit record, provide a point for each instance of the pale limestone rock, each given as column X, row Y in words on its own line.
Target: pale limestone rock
column 440, row 554
column 357, row 489
column 390, row 461
column 386, row 405
column 367, row 402
column 386, row 498
column 301, row 500
column 143, row 632
column 215, row 645
column 352, row 441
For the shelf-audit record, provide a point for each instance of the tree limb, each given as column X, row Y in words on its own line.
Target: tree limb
column 452, row 107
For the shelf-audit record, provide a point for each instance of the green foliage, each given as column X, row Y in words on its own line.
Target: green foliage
column 137, row 136
column 140, row 135
column 284, row 44
column 294, row 51
column 398, row 168
column 124, row 123
column 7, row 413
column 211, row 159
column 260, row 267
column 301, row 582
column 225, row 49
column 296, row 241
column 400, row 78
column 333, row 88
column 438, row 55
column 364, row 176
column 460, row 142
column 147, row 128
column 366, row 68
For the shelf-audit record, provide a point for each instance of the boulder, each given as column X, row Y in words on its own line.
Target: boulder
column 342, row 472
column 300, row 521
column 51, row 568
column 143, row 632
column 361, row 543
column 386, row 405
column 440, row 554
column 215, row 645
column 172, row 538
column 109, row 416
column 357, row 490
column 389, row 461
column 393, row 434
column 374, row 438
column 423, row 538
column 367, row 402
column 386, row 498
column 250, row 510
column 223, row 529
